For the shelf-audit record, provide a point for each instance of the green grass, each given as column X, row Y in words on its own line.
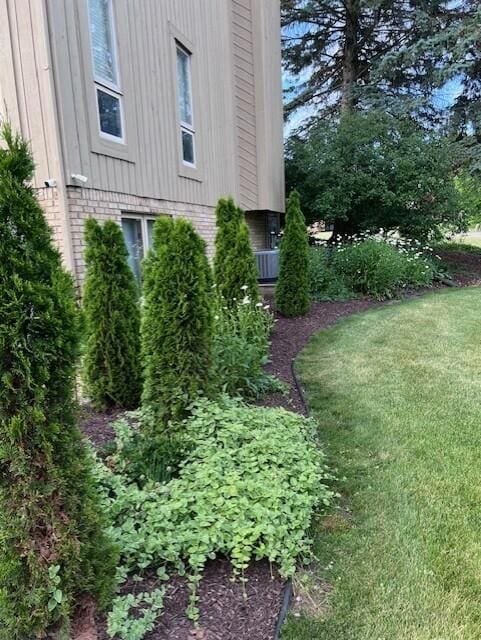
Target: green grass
column 467, row 245
column 397, row 393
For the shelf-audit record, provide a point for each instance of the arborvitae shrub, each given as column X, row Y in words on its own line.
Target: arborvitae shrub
column 112, row 369
column 53, row 553
column 292, row 291
column 235, row 268
column 177, row 321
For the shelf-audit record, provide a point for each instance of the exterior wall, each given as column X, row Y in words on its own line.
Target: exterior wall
column 257, row 227
column 87, row 203
column 149, row 164
column 236, row 65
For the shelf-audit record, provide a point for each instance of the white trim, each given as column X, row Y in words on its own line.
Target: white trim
column 143, row 218
column 185, row 126
column 103, row 134
column 102, row 84
column 115, row 51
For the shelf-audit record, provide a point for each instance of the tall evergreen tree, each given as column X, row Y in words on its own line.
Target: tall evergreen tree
column 235, row 269
column 332, row 49
column 177, row 321
column 53, row 553
column 112, row 372
column 292, row 291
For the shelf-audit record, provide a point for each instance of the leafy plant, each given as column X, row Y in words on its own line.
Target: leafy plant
column 123, row 624
column 177, row 321
column 325, row 282
column 375, row 265
column 111, row 367
column 248, row 489
column 371, row 171
column 234, row 262
column 292, row 291
column 241, row 347
column 53, row 550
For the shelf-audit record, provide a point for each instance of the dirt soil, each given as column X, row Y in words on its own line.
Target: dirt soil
column 225, row 614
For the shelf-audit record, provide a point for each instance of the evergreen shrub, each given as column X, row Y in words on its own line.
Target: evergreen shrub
column 177, row 321
column 111, row 367
column 292, row 291
column 53, row 552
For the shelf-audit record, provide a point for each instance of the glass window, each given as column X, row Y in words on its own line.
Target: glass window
column 103, row 44
column 106, row 75
column 184, row 84
column 132, row 229
column 110, row 115
column 188, row 147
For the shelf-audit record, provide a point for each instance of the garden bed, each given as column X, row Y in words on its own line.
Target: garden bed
column 224, row 611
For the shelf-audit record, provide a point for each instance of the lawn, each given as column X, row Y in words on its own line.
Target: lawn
column 397, row 393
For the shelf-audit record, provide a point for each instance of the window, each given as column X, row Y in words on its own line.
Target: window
column 105, row 66
column 138, row 234
column 184, row 84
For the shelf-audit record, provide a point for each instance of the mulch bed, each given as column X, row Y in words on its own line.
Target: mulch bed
column 224, row 612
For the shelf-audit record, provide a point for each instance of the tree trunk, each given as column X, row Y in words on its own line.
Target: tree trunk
column 350, row 70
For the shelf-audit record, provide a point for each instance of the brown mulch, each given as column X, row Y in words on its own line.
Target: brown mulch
column 224, row 612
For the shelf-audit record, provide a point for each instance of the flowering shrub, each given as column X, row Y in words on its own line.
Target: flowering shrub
column 248, row 490
column 374, row 265
column 241, row 346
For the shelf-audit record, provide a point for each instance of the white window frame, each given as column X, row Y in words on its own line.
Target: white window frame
column 185, row 126
column 105, row 85
column 144, row 219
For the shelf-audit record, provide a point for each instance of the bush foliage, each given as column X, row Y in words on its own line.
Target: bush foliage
column 248, row 490
column 292, row 291
column 177, row 320
column 234, row 262
column 241, row 348
column 377, row 266
column 53, row 552
column 371, row 171
column 111, row 371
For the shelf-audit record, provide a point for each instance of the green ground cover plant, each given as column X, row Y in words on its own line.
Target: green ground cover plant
column 53, row 550
column 111, row 363
column 396, row 394
column 250, row 483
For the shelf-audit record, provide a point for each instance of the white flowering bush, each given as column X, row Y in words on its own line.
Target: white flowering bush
column 376, row 265
column 241, row 346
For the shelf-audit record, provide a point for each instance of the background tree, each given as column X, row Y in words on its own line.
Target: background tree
column 53, row 553
column 177, row 321
column 112, row 372
column 374, row 171
column 292, row 291
column 234, row 263
column 332, row 49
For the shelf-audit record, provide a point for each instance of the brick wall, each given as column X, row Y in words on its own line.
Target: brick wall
column 50, row 202
column 106, row 205
column 84, row 203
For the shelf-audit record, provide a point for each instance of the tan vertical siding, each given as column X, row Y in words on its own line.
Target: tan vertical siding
column 245, row 101
column 145, row 31
column 26, row 92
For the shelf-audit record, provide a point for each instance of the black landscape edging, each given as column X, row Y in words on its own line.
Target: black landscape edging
column 286, row 603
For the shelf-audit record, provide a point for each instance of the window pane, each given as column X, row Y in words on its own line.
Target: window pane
column 183, row 80
column 103, row 49
column 150, row 232
column 132, row 229
column 188, row 147
column 109, row 114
